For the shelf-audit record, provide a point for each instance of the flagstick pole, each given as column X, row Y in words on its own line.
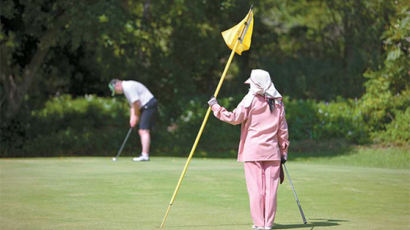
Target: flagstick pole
column 240, row 39
column 200, row 133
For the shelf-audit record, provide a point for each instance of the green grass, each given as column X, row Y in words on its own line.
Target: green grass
column 96, row 193
column 361, row 156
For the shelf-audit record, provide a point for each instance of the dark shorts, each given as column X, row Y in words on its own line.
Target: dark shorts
column 148, row 113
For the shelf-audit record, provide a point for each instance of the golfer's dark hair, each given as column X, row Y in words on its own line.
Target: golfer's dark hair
column 271, row 106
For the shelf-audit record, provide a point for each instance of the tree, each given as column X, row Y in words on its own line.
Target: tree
column 18, row 71
column 313, row 47
column 387, row 88
column 36, row 33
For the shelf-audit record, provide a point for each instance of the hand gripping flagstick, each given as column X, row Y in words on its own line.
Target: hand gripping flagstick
column 238, row 38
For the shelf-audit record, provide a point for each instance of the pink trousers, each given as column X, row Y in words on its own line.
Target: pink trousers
column 262, row 180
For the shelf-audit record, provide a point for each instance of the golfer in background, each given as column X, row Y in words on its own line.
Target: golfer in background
column 263, row 143
column 143, row 107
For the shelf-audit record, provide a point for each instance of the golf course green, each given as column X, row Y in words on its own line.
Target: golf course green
column 96, row 193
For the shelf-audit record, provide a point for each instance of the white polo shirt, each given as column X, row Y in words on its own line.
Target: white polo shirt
column 135, row 91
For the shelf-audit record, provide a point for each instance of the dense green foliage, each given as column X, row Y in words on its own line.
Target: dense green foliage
column 95, row 125
column 397, row 131
column 387, row 99
column 352, row 54
column 67, row 126
column 324, row 121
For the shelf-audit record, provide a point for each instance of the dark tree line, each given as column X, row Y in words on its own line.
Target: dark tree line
column 315, row 49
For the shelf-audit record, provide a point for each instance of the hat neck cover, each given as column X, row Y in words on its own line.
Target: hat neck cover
column 260, row 83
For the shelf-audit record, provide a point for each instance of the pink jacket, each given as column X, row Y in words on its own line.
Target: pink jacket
column 264, row 134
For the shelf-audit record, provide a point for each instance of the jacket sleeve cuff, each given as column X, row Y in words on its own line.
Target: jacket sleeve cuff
column 216, row 107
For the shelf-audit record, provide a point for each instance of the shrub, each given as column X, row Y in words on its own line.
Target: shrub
column 397, row 132
column 301, row 116
column 308, row 119
column 341, row 119
column 82, row 126
column 218, row 139
column 92, row 125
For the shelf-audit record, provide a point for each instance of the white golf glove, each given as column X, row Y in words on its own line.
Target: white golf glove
column 212, row 101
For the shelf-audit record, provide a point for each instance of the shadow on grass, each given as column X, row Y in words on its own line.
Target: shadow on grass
column 312, row 224
column 207, row 225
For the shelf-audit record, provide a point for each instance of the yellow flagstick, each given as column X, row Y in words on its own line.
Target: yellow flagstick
column 238, row 41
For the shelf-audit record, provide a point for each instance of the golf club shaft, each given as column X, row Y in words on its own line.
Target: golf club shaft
column 123, row 143
column 296, row 196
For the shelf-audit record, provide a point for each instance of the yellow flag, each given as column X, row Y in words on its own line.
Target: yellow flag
column 243, row 30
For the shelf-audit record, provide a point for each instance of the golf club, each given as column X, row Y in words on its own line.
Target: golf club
column 296, row 196
column 122, row 146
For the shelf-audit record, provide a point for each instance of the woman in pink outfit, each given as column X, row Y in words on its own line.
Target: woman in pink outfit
column 263, row 143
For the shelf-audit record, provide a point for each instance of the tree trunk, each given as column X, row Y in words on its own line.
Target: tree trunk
column 17, row 82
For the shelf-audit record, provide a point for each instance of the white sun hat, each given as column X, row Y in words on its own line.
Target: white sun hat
column 260, row 83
